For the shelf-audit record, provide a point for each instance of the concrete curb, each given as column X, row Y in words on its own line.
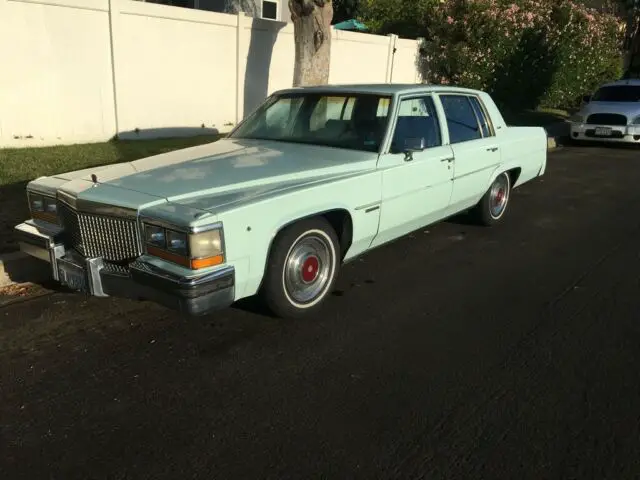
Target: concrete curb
column 18, row 267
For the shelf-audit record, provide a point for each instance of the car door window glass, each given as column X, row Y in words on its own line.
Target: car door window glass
column 383, row 107
column 461, row 119
column 480, row 113
column 328, row 111
column 355, row 120
column 417, row 122
column 279, row 116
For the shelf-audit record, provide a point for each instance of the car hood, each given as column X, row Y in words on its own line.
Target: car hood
column 630, row 109
column 216, row 174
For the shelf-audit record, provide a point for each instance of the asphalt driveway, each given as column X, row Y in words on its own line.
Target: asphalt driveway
column 456, row 352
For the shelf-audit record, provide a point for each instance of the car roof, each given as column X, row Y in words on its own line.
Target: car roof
column 378, row 88
column 617, row 83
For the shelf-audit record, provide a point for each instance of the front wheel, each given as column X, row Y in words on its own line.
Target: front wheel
column 302, row 268
column 493, row 205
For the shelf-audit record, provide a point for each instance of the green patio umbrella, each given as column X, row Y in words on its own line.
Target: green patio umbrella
column 352, row 24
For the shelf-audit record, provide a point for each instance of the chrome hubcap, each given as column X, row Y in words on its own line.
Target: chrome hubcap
column 307, row 269
column 498, row 196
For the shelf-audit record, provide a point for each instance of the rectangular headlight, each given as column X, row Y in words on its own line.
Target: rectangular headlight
column 43, row 207
column 192, row 250
column 154, row 236
column 205, row 244
column 50, row 205
column 177, row 242
column 36, row 202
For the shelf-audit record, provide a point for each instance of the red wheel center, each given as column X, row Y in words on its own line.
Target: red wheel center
column 310, row 269
column 500, row 196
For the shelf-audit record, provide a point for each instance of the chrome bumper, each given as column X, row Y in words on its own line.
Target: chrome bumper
column 193, row 295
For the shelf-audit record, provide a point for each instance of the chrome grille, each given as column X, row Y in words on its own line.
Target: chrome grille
column 116, row 269
column 607, row 119
column 114, row 239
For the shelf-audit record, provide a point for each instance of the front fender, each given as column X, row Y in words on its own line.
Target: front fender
column 250, row 230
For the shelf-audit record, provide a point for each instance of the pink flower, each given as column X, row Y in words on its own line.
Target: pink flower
column 450, row 20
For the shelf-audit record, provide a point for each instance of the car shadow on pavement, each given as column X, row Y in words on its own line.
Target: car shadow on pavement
column 253, row 305
column 464, row 219
column 569, row 142
column 13, row 210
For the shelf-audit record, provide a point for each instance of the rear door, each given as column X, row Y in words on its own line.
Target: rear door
column 475, row 147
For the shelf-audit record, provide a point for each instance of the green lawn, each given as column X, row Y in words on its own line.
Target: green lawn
column 20, row 165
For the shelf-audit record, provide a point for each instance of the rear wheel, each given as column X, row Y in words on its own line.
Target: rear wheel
column 494, row 203
column 301, row 269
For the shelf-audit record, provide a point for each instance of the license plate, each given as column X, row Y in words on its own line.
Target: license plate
column 603, row 131
column 72, row 275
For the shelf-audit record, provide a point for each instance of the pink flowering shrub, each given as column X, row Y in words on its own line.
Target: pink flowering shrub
column 525, row 52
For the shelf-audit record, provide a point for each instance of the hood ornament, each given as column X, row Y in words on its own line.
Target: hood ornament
column 94, row 179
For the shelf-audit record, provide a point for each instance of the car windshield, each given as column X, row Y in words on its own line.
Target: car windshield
column 355, row 121
column 622, row 93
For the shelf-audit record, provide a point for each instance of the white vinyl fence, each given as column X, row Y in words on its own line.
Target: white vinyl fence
column 77, row 71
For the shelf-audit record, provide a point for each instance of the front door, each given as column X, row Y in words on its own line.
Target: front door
column 416, row 184
column 474, row 145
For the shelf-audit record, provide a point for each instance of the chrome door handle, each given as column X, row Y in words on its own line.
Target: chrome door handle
column 492, row 149
column 448, row 159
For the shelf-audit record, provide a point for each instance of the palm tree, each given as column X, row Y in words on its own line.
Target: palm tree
column 312, row 36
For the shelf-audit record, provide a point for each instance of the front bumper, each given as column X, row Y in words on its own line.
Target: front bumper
column 141, row 281
column 629, row 134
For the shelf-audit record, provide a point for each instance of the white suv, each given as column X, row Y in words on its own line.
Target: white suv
column 611, row 114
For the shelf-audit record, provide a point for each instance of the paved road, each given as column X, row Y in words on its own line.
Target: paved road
column 458, row 352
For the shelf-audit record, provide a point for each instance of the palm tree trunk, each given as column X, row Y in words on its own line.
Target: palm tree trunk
column 312, row 36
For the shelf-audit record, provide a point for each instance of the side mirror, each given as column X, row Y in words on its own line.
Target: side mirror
column 416, row 144
column 586, row 98
column 412, row 145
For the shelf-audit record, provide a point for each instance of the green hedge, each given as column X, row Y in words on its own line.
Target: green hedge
column 526, row 53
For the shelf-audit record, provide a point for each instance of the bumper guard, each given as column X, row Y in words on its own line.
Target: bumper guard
column 191, row 295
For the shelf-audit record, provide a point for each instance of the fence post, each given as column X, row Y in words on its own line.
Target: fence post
column 241, row 65
column 390, row 57
column 114, row 17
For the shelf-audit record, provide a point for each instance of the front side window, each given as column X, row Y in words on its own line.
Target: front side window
column 461, row 119
column 417, row 124
column 352, row 121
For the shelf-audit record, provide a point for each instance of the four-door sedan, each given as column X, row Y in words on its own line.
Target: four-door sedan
column 612, row 114
column 312, row 179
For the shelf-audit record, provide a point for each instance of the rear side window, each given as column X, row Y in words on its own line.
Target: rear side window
column 482, row 117
column 461, row 118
